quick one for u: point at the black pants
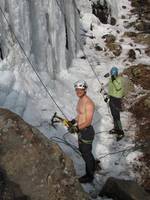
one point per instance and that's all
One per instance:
(85, 140)
(115, 107)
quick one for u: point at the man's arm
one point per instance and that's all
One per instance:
(89, 116)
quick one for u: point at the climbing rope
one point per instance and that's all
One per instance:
(64, 141)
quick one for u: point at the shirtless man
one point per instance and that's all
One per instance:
(85, 111)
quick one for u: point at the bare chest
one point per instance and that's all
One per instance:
(81, 107)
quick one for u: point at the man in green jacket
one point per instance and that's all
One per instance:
(115, 92)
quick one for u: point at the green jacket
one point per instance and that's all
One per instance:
(116, 88)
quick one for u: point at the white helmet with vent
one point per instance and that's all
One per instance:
(81, 84)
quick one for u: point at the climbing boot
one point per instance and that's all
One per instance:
(113, 131)
(86, 179)
(120, 135)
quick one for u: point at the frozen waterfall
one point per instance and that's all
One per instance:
(43, 30)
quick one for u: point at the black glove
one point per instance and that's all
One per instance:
(72, 122)
(113, 78)
(106, 99)
(73, 129)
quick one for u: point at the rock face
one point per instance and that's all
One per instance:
(131, 54)
(112, 45)
(139, 74)
(10, 190)
(115, 48)
(37, 166)
(123, 190)
(140, 107)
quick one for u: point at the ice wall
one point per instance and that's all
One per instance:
(43, 31)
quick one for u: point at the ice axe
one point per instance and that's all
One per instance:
(56, 119)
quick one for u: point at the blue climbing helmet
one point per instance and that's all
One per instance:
(114, 71)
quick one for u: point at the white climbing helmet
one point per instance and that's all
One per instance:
(81, 84)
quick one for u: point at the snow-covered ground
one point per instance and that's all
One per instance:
(22, 92)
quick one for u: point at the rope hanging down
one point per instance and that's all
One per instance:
(78, 41)
(31, 63)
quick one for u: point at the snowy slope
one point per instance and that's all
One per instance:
(22, 92)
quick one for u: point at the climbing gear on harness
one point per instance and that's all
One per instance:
(114, 71)
(81, 84)
(85, 141)
(73, 129)
(106, 99)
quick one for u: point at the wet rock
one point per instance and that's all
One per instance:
(147, 51)
(115, 48)
(111, 45)
(123, 17)
(123, 190)
(109, 38)
(83, 57)
(121, 40)
(141, 112)
(142, 26)
(101, 11)
(147, 102)
(141, 9)
(130, 34)
(132, 54)
(142, 39)
(98, 48)
(37, 165)
(139, 74)
(113, 21)
(10, 190)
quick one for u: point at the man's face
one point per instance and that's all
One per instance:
(80, 92)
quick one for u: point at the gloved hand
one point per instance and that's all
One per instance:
(73, 129)
(72, 122)
(113, 78)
